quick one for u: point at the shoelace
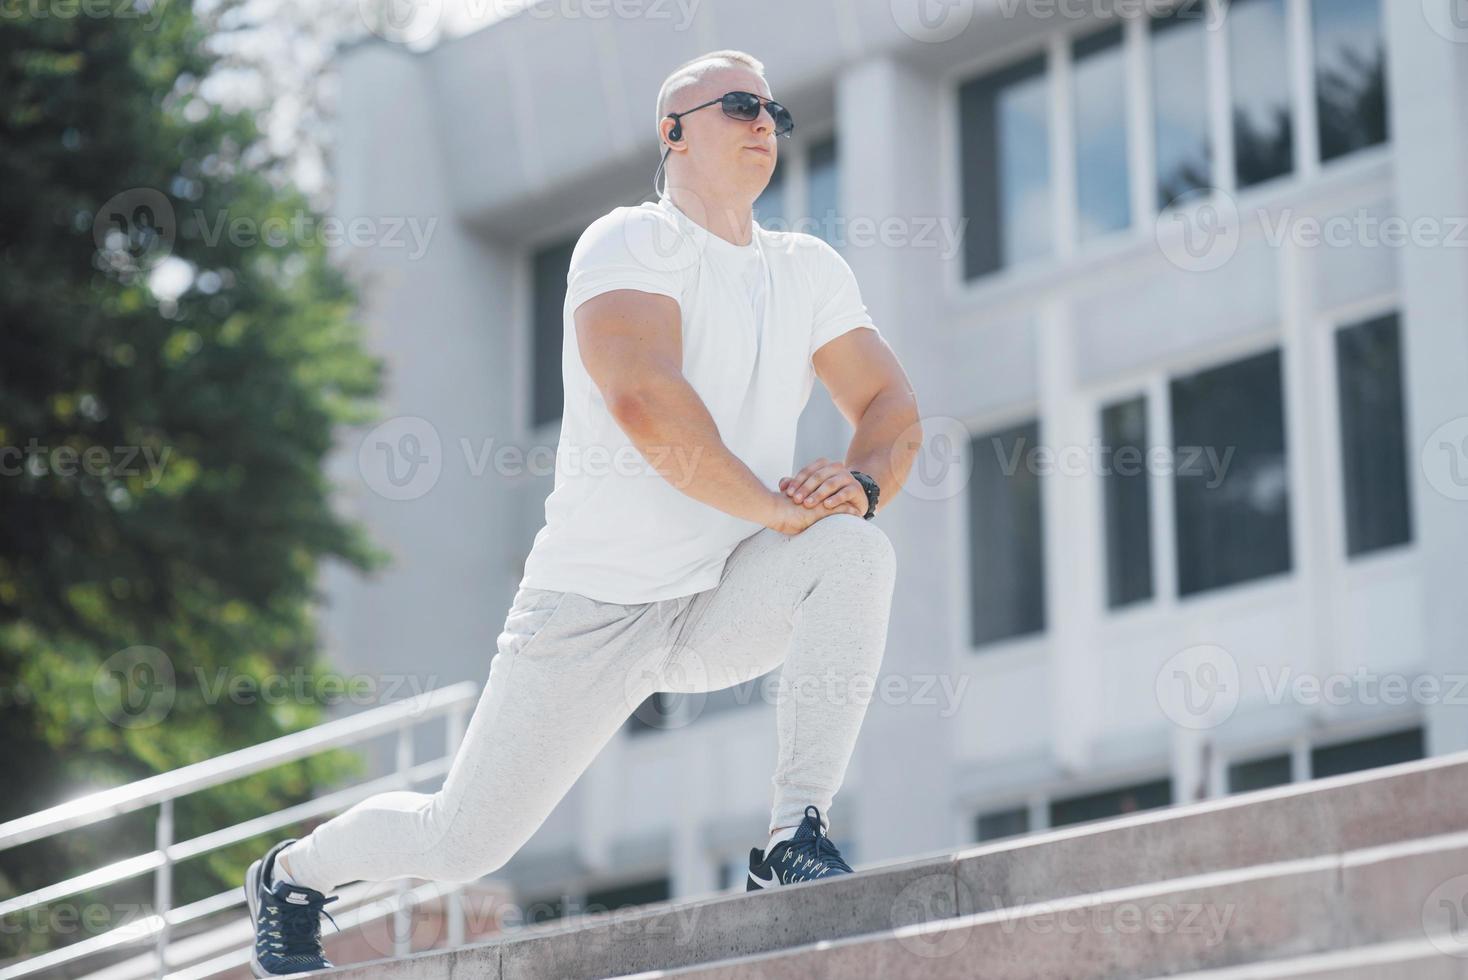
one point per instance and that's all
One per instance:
(817, 851)
(300, 926)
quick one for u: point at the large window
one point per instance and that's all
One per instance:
(1128, 502)
(1259, 68)
(1006, 548)
(1230, 477)
(1350, 75)
(1180, 102)
(1111, 803)
(549, 267)
(1274, 770)
(1373, 435)
(821, 190)
(1366, 753)
(1102, 193)
(771, 209)
(1005, 155)
(1002, 823)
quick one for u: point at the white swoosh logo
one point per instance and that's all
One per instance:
(763, 882)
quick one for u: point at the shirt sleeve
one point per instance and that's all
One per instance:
(838, 305)
(629, 248)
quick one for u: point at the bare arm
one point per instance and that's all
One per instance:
(632, 345)
(871, 390)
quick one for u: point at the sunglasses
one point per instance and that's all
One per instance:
(745, 107)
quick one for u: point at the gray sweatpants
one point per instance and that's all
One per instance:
(571, 669)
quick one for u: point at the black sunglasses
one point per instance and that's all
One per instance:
(745, 107)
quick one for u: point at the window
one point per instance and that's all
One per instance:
(1373, 435)
(1102, 194)
(1001, 824)
(1366, 753)
(658, 711)
(770, 208)
(1232, 488)
(1128, 502)
(736, 696)
(1259, 69)
(1005, 155)
(1180, 102)
(821, 190)
(623, 896)
(1112, 803)
(1274, 770)
(1350, 75)
(549, 267)
(1006, 550)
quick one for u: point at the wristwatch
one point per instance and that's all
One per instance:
(873, 492)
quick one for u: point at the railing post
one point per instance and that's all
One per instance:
(402, 917)
(163, 881)
(453, 736)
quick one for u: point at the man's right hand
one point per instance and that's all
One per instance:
(788, 517)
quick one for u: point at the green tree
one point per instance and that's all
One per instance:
(171, 376)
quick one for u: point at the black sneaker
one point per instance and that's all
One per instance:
(287, 920)
(808, 856)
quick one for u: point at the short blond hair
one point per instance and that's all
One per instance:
(692, 71)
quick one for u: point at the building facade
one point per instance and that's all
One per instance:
(1184, 295)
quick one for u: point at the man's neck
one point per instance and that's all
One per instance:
(731, 220)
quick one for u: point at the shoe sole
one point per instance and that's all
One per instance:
(252, 902)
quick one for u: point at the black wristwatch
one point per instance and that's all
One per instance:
(873, 492)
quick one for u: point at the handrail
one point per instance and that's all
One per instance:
(454, 701)
(233, 765)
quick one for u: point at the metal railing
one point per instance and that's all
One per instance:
(454, 703)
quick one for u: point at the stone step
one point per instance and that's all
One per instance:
(1247, 835)
(1251, 920)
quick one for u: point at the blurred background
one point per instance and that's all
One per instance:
(1182, 288)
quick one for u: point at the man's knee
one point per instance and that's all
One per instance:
(860, 542)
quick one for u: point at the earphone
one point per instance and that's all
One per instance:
(674, 135)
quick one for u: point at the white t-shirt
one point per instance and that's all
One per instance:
(615, 529)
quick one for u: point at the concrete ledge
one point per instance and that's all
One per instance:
(1291, 836)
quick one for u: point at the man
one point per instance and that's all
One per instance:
(679, 554)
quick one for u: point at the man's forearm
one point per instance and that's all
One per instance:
(886, 440)
(673, 430)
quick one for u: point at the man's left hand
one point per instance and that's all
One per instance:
(825, 483)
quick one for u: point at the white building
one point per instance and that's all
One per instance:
(1058, 631)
